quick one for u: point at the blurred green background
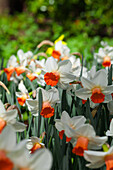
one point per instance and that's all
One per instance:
(24, 24)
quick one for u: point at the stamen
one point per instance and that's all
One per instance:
(81, 145)
(52, 78)
(97, 96)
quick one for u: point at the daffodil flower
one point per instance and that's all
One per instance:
(66, 123)
(105, 56)
(12, 63)
(23, 94)
(84, 138)
(50, 98)
(58, 74)
(96, 89)
(97, 159)
(34, 143)
(9, 118)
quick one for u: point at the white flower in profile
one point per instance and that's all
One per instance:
(105, 56)
(34, 143)
(96, 88)
(84, 138)
(22, 160)
(50, 98)
(58, 73)
(24, 58)
(9, 118)
(36, 67)
(110, 132)
(97, 159)
(12, 63)
(23, 94)
(66, 123)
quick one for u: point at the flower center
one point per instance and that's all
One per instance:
(81, 145)
(5, 163)
(20, 70)
(97, 95)
(107, 61)
(56, 54)
(47, 111)
(9, 71)
(109, 162)
(21, 100)
(52, 78)
(2, 124)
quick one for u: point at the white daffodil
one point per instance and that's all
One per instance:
(66, 123)
(34, 143)
(96, 89)
(84, 138)
(36, 67)
(23, 94)
(22, 160)
(110, 132)
(24, 58)
(12, 63)
(97, 159)
(50, 98)
(105, 56)
(58, 74)
(9, 118)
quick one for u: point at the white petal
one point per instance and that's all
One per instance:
(88, 84)
(64, 66)
(22, 87)
(19, 127)
(10, 115)
(98, 78)
(96, 165)
(2, 109)
(94, 156)
(53, 96)
(83, 93)
(33, 106)
(59, 125)
(96, 140)
(51, 64)
(41, 159)
(67, 77)
(108, 90)
(65, 117)
(7, 139)
(85, 130)
(111, 126)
